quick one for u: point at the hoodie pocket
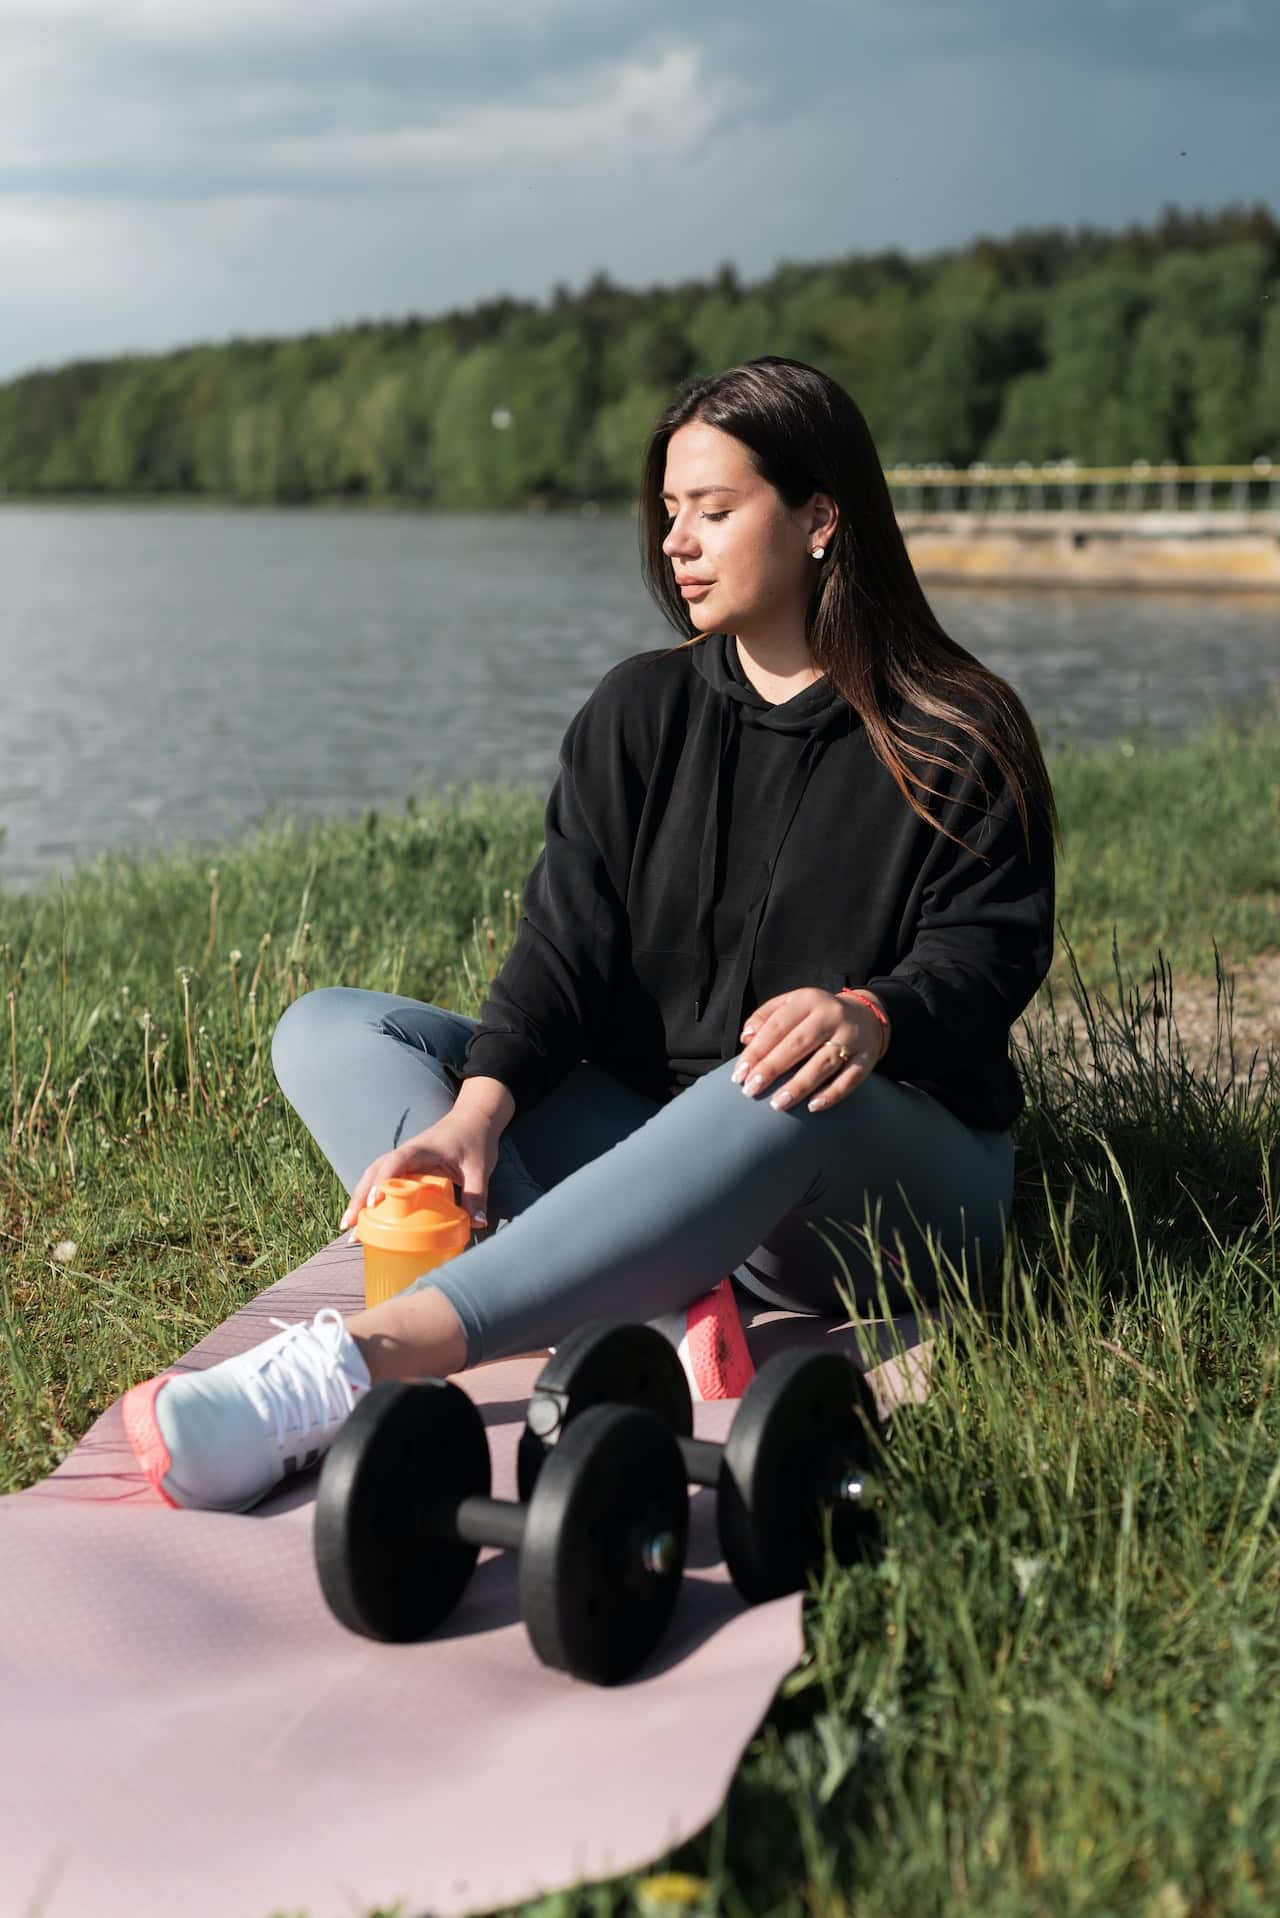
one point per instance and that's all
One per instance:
(654, 990)
(661, 971)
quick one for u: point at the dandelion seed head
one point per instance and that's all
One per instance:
(1026, 1571)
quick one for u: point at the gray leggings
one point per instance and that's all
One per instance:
(626, 1209)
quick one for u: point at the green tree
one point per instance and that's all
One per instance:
(725, 332)
(550, 404)
(468, 458)
(1266, 417)
(871, 344)
(954, 400)
(621, 432)
(1224, 374)
(1197, 299)
(653, 352)
(325, 460)
(1103, 346)
(263, 460)
(1074, 407)
(428, 369)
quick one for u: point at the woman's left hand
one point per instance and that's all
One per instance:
(801, 1026)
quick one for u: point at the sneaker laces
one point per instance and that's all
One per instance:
(302, 1380)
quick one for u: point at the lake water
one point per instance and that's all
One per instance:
(178, 673)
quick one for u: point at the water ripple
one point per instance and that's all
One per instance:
(177, 673)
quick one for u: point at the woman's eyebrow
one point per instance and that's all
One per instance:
(696, 492)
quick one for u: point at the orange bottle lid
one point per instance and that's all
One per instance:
(415, 1215)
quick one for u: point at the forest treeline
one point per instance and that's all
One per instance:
(1160, 343)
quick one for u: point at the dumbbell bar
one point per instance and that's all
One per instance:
(403, 1508)
(800, 1443)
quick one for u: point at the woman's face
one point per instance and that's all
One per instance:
(730, 527)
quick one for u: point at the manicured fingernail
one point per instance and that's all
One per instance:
(345, 1220)
(754, 1083)
(747, 1031)
(374, 1190)
(779, 1100)
(738, 1071)
(351, 1238)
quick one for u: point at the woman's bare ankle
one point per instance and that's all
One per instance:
(418, 1335)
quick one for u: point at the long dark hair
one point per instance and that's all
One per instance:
(868, 625)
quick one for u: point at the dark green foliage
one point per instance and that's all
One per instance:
(1160, 343)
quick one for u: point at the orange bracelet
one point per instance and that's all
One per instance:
(864, 999)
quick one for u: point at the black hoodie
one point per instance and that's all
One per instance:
(705, 851)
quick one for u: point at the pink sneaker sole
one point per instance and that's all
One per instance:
(146, 1441)
(721, 1364)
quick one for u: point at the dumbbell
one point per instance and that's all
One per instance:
(403, 1508)
(800, 1442)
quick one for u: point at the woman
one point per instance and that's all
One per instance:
(818, 829)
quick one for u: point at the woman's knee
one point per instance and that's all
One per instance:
(308, 1023)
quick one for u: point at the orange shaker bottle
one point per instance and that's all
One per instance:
(415, 1225)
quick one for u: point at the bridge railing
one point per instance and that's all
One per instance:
(1067, 487)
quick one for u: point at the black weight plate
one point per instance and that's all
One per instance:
(601, 1363)
(405, 1451)
(800, 1428)
(614, 1481)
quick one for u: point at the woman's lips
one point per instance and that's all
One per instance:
(696, 588)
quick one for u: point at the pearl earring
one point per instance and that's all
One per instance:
(818, 552)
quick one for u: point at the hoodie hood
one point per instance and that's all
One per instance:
(814, 717)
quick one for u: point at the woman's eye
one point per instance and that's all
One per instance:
(669, 519)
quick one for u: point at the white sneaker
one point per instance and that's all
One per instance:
(223, 1438)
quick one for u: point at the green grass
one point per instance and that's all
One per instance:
(1054, 1690)
(1173, 846)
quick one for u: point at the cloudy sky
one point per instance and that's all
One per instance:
(177, 170)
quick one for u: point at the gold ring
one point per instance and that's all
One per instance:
(845, 1055)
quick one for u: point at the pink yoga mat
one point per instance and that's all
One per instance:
(186, 1728)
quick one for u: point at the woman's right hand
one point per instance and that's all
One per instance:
(466, 1148)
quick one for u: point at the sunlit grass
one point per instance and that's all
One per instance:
(1053, 1691)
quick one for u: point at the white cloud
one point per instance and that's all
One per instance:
(626, 114)
(178, 171)
(274, 132)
